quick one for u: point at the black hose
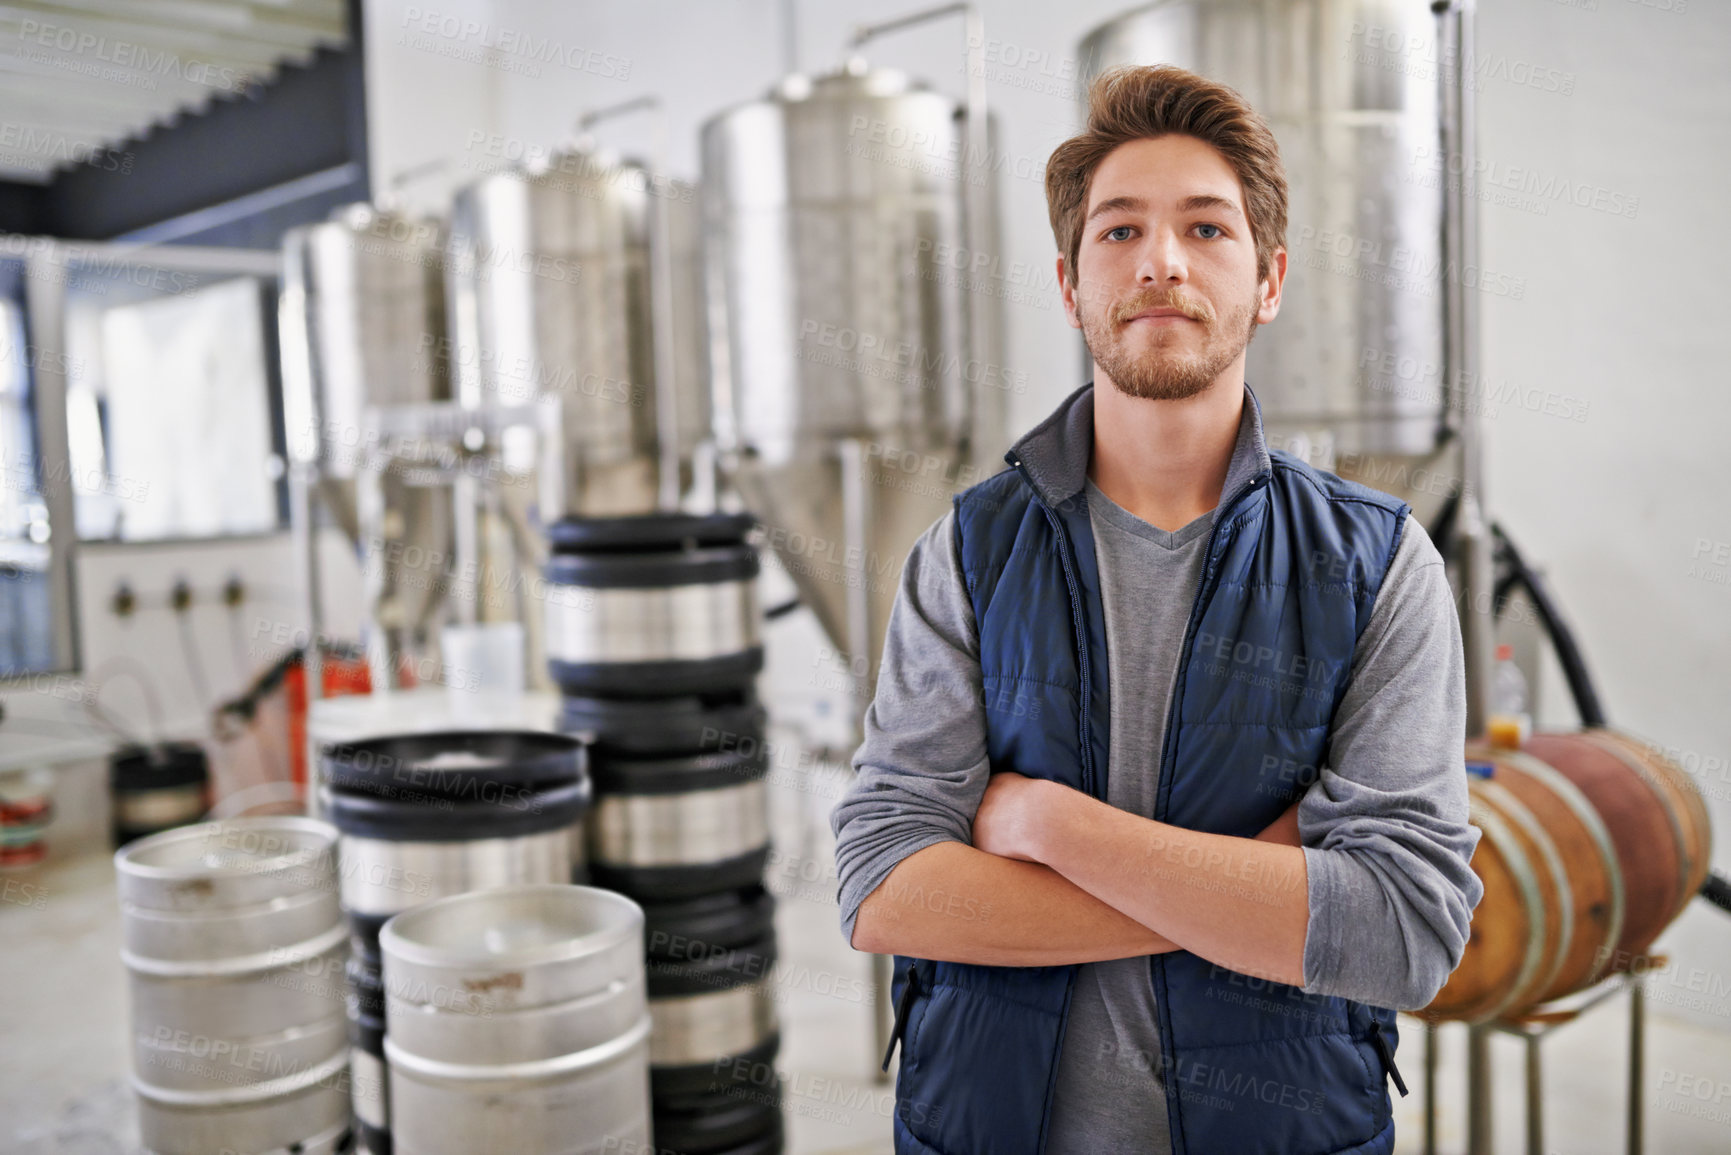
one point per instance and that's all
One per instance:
(1442, 530)
(781, 609)
(1717, 890)
(1568, 651)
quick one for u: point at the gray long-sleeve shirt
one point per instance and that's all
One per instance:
(1383, 823)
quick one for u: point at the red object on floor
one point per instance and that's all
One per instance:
(341, 677)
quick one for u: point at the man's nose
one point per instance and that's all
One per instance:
(1161, 260)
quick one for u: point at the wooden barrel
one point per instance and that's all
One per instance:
(1525, 917)
(1592, 843)
(1662, 842)
(1687, 806)
(1590, 869)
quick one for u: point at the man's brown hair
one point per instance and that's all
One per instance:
(1136, 103)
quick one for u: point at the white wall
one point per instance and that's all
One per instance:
(1618, 311)
(1623, 313)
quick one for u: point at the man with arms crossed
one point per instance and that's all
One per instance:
(1162, 801)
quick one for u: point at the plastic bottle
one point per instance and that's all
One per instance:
(1510, 724)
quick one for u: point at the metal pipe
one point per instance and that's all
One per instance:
(1431, 1034)
(1461, 324)
(661, 258)
(301, 437)
(1637, 1061)
(1535, 1094)
(45, 307)
(790, 36)
(1479, 1136)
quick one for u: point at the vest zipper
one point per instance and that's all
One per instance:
(909, 992)
(1085, 692)
(1386, 1054)
(1189, 634)
(1157, 976)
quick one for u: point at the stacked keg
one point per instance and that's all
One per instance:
(652, 636)
(518, 1023)
(233, 943)
(157, 788)
(430, 816)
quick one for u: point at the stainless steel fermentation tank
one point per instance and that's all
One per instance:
(1363, 285)
(361, 316)
(552, 285)
(854, 356)
(1371, 369)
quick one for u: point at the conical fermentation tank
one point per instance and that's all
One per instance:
(552, 286)
(1355, 363)
(854, 364)
(362, 322)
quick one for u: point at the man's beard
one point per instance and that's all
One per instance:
(1160, 374)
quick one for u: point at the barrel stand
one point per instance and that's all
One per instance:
(1532, 1028)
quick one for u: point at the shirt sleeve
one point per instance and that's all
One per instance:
(1387, 844)
(921, 769)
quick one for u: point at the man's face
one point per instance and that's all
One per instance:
(1166, 294)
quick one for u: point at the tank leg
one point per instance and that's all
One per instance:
(1431, 1034)
(1478, 1090)
(1637, 1059)
(1535, 1096)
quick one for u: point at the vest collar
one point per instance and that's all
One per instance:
(1054, 454)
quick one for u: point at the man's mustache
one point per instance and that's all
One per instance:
(1145, 299)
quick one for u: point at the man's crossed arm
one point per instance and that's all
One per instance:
(1055, 876)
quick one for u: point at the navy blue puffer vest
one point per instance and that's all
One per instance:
(1294, 563)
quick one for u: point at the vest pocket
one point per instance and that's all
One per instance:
(1385, 1052)
(910, 992)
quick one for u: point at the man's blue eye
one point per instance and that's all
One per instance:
(1216, 228)
(1125, 229)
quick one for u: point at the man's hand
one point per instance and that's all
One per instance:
(1008, 821)
(1239, 902)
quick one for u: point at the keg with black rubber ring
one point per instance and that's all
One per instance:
(157, 787)
(740, 1121)
(712, 1002)
(727, 918)
(685, 724)
(369, 1086)
(455, 765)
(652, 605)
(426, 816)
(666, 828)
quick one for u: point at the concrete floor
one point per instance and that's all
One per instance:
(63, 1087)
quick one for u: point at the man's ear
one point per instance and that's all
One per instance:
(1273, 284)
(1068, 291)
